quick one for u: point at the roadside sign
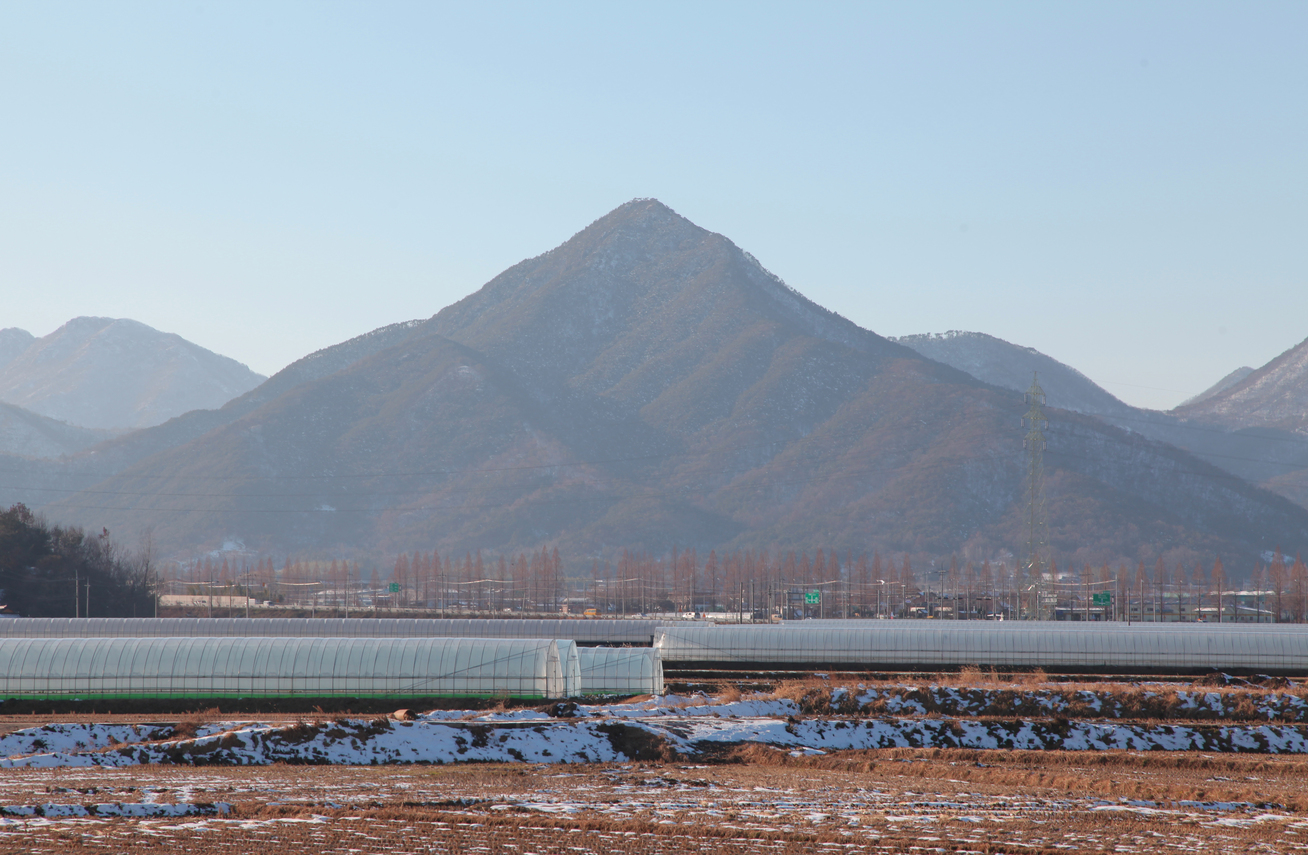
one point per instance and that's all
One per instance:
(812, 598)
(1103, 598)
(395, 587)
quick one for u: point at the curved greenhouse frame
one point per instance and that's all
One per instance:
(928, 645)
(570, 667)
(583, 631)
(620, 671)
(234, 667)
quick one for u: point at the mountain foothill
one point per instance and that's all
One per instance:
(648, 385)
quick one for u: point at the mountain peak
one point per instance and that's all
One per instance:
(116, 373)
(13, 342)
(641, 280)
(635, 230)
(641, 213)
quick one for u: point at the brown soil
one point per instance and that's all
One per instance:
(757, 800)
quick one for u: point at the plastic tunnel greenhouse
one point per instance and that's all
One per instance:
(925, 645)
(620, 671)
(233, 667)
(583, 631)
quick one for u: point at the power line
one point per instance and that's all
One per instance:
(1035, 445)
(1293, 469)
(726, 488)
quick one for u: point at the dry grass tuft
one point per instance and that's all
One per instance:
(971, 676)
(807, 693)
(189, 725)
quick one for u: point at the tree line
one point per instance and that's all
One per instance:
(757, 580)
(61, 571)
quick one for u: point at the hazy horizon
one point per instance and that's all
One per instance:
(1120, 188)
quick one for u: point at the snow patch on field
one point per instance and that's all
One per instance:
(111, 809)
(685, 726)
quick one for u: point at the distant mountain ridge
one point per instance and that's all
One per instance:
(117, 374)
(1219, 387)
(1273, 396)
(26, 434)
(645, 385)
(13, 342)
(1258, 453)
(1011, 366)
(109, 456)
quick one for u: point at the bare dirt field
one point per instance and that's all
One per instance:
(757, 799)
(936, 766)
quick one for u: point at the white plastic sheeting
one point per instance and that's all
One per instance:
(569, 667)
(1280, 648)
(584, 631)
(287, 667)
(620, 671)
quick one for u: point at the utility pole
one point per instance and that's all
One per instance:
(1037, 527)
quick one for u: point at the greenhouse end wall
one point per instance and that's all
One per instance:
(621, 671)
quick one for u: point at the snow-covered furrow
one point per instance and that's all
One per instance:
(73, 738)
(1154, 703)
(115, 809)
(588, 740)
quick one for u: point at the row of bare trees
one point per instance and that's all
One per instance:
(758, 580)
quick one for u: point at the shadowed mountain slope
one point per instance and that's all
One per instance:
(117, 454)
(1269, 456)
(648, 384)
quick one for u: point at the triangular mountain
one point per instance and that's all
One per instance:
(647, 385)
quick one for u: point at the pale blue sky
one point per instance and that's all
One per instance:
(1122, 186)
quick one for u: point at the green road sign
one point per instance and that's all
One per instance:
(1104, 598)
(395, 587)
(812, 598)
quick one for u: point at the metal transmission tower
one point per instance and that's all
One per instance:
(1037, 531)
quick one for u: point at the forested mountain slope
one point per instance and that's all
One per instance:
(1256, 451)
(648, 384)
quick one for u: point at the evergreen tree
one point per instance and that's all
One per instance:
(45, 571)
